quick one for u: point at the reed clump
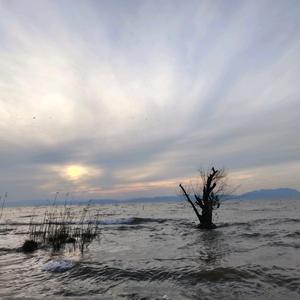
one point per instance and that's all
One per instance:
(2, 205)
(3, 201)
(64, 225)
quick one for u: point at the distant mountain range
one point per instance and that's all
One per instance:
(264, 194)
(282, 193)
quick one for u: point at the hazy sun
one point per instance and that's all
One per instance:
(76, 171)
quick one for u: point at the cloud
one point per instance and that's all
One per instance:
(147, 93)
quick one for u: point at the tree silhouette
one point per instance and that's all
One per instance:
(213, 187)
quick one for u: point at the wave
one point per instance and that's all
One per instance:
(284, 244)
(140, 220)
(258, 234)
(28, 216)
(19, 223)
(4, 249)
(295, 234)
(120, 221)
(276, 221)
(228, 224)
(131, 221)
(269, 221)
(4, 231)
(192, 276)
(241, 275)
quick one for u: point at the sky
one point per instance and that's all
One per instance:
(120, 99)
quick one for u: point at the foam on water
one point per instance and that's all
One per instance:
(58, 266)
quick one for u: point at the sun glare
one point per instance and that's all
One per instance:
(76, 171)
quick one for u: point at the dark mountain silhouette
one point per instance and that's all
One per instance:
(283, 193)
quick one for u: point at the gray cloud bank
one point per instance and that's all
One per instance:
(143, 93)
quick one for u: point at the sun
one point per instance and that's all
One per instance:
(75, 172)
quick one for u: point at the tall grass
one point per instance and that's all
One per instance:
(4, 198)
(3, 226)
(62, 225)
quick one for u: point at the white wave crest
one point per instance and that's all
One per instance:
(58, 266)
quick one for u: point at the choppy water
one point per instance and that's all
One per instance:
(155, 251)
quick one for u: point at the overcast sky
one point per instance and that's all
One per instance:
(122, 99)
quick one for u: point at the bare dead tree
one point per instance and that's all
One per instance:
(208, 198)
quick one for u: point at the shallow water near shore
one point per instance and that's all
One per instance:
(156, 251)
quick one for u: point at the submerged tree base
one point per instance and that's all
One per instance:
(207, 226)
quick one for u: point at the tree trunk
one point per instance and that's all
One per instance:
(205, 218)
(207, 199)
(191, 202)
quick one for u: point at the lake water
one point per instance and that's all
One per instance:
(155, 251)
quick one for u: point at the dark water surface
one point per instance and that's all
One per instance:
(155, 251)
